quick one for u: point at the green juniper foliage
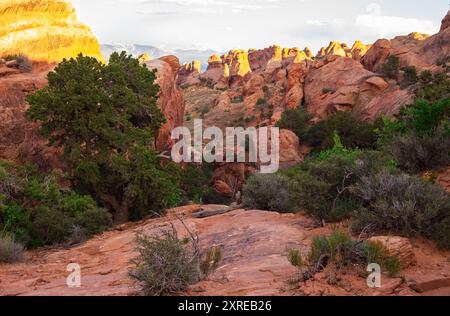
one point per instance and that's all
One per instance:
(105, 118)
(35, 210)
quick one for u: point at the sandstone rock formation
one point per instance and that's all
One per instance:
(445, 22)
(345, 85)
(398, 247)
(44, 30)
(334, 48)
(189, 74)
(217, 74)
(171, 100)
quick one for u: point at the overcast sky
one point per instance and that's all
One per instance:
(227, 24)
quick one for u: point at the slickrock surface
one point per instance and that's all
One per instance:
(254, 245)
(44, 30)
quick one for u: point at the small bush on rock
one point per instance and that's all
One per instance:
(167, 264)
(391, 67)
(338, 250)
(10, 250)
(401, 204)
(267, 192)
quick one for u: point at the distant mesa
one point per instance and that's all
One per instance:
(44, 30)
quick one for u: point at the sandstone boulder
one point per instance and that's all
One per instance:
(44, 30)
(399, 247)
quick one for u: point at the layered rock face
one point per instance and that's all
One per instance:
(345, 85)
(170, 101)
(44, 30)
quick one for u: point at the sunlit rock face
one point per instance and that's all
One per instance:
(44, 30)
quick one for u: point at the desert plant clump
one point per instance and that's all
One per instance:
(433, 87)
(419, 139)
(296, 120)
(10, 250)
(267, 192)
(402, 204)
(339, 250)
(261, 101)
(411, 76)
(391, 67)
(320, 186)
(353, 132)
(21, 62)
(37, 211)
(167, 264)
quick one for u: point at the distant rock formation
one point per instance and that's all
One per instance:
(44, 30)
(357, 51)
(144, 57)
(189, 74)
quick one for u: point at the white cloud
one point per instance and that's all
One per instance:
(374, 23)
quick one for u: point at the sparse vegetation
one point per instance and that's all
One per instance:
(167, 264)
(21, 62)
(339, 250)
(411, 76)
(327, 90)
(267, 192)
(296, 120)
(391, 67)
(261, 101)
(36, 211)
(353, 133)
(419, 139)
(10, 250)
(401, 204)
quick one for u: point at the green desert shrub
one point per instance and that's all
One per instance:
(415, 153)
(10, 250)
(261, 101)
(391, 67)
(434, 87)
(339, 249)
(37, 211)
(402, 204)
(267, 192)
(211, 196)
(194, 181)
(353, 133)
(419, 139)
(411, 76)
(296, 120)
(167, 264)
(320, 185)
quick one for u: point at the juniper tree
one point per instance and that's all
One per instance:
(105, 118)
